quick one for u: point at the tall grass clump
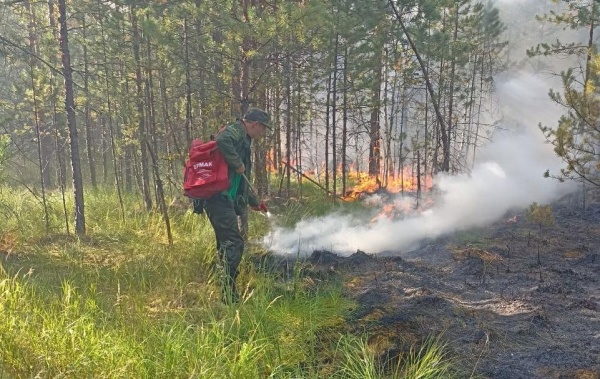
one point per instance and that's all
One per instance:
(428, 361)
(357, 360)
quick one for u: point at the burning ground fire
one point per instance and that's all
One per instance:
(505, 176)
(397, 197)
(498, 183)
(405, 181)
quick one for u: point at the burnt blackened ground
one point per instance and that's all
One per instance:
(504, 313)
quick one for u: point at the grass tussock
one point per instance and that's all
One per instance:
(123, 303)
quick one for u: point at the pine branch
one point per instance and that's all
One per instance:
(8, 42)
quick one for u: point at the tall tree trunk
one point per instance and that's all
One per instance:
(246, 62)
(387, 126)
(451, 126)
(39, 148)
(45, 135)
(58, 140)
(375, 126)
(288, 125)
(127, 158)
(277, 154)
(105, 149)
(142, 132)
(111, 131)
(299, 176)
(261, 178)
(160, 194)
(327, 128)
(345, 123)
(37, 112)
(71, 120)
(151, 131)
(172, 144)
(201, 76)
(479, 107)
(89, 139)
(334, 118)
(188, 85)
(469, 113)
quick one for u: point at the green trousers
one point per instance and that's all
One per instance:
(230, 242)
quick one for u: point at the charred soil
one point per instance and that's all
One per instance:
(511, 301)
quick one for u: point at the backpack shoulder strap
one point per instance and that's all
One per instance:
(214, 136)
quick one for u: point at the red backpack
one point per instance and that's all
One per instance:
(206, 172)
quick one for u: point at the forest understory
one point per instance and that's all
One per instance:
(511, 300)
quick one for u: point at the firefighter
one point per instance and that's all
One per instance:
(228, 211)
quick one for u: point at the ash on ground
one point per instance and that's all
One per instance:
(512, 301)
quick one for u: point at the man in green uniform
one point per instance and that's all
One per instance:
(223, 209)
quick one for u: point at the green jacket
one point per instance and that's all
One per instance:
(234, 144)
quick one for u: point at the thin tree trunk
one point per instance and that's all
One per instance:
(201, 76)
(59, 144)
(277, 147)
(334, 117)
(188, 85)
(105, 149)
(39, 148)
(110, 119)
(469, 119)
(44, 137)
(375, 127)
(126, 160)
(345, 123)
(451, 127)
(58, 141)
(401, 137)
(288, 124)
(299, 130)
(327, 129)
(160, 194)
(171, 141)
(142, 133)
(261, 178)
(151, 111)
(71, 121)
(387, 125)
(37, 113)
(478, 124)
(89, 140)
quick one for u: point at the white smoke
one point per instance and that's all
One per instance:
(507, 175)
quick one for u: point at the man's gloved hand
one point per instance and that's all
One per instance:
(261, 208)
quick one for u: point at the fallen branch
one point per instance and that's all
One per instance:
(312, 180)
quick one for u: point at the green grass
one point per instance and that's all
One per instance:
(122, 303)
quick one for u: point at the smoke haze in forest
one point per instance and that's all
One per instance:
(507, 175)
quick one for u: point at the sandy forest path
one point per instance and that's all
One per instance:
(502, 314)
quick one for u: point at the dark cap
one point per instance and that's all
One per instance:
(258, 115)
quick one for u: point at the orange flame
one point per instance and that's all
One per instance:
(389, 211)
(405, 181)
